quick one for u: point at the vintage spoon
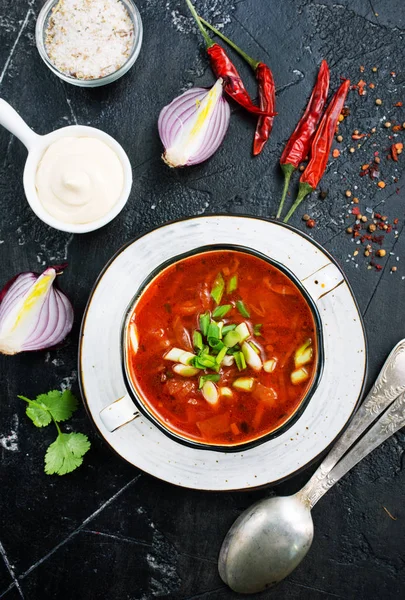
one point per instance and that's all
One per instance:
(269, 539)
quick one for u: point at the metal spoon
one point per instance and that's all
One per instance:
(269, 540)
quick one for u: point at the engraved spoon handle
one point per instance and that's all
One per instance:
(392, 420)
(389, 384)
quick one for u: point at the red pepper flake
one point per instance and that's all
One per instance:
(378, 267)
(361, 87)
(362, 68)
(355, 210)
(397, 128)
(310, 223)
(398, 104)
(358, 136)
(371, 86)
(393, 74)
(395, 221)
(394, 153)
(336, 153)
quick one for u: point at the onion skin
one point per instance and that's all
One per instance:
(34, 313)
(193, 125)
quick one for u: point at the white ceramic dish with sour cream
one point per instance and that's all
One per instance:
(37, 145)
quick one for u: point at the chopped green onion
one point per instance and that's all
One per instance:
(227, 328)
(185, 371)
(240, 361)
(205, 378)
(205, 361)
(228, 360)
(270, 365)
(299, 376)
(244, 384)
(210, 392)
(242, 309)
(221, 354)
(243, 331)
(225, 391)
(252, 359)
(255, 348)
(213, 331)
(197, 340)
(303, 355)
(187, 358)
(174, 354)
(232, 284)
(231, 338)
(218, 288)
(257, 328)
(217, 347)
(221, 311)
(234, 350)
(204, 323)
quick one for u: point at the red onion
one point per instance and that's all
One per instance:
(193, 125)
(34, 314)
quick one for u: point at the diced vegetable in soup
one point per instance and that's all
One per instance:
(222, 347)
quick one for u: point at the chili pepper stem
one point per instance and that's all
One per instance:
(253, 63)
(288, 169)
(303, 191)
(209, 42)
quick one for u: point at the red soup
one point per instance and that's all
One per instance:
(221, 348)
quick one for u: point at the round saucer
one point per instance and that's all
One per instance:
(144, 445)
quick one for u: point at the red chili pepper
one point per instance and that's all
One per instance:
(320, 147)
(297, 147)
(267, 91)
(223, 67)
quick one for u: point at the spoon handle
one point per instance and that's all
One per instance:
(389, 384)
(392, 420)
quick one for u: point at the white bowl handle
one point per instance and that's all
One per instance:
(119, 413)
(323, 281)
(11, 120)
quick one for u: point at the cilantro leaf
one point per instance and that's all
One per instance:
(38, 414)
(61, 405)
(66, 453)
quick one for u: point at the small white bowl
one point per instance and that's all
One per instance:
(36, 146)
(42, 24)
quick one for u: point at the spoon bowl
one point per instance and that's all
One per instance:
(265, 544)
(36, 146)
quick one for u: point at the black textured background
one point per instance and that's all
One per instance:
(107, 530)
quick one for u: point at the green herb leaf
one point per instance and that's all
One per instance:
(204, 323)
(197, 340)
(221, 311)
(240, 360)
(38, 414)
(232, 284)
(218, 288)
(242, 309)
(257, 328)
(66, 453)
(61, 405)
(205, 378)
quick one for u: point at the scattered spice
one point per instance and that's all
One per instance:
(89, 40)
(394, 269)
(378, 101)
(336, 153)
(374, 69)
(387, 124)
(306, 217)
(398, 104)
(395, 150)
(356, 200)
(348, 193)
(310, 223)
(339, 138)
(381, 184)
(361, 87)
(381, 252)
(351, 150)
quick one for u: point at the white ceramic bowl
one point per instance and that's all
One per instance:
(36, 146)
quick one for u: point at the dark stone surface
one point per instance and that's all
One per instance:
(107, 530)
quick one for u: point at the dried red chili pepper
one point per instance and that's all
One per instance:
(223, 67)
(320, 147)
(298, 145)
(267, 91)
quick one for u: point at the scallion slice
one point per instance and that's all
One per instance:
(205, 378)
(214, 332)
(242, 309)
(257, 329)
(221, 311)
(218, 288)
(231, 339)
(221, 354)
(197, 340)
(185, 371)
(240, 360)
(205, 320)
(255, 348)
(210, 392)
(232, 284)
(243, 332)
(227, 328)
(252, 359)
(244, 384)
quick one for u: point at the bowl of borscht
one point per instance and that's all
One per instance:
(222, 349)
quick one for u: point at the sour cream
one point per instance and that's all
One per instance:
(79, 179)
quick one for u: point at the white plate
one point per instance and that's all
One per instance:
(140, 442)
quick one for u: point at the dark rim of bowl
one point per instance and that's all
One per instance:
(142, 405)
(304, 235)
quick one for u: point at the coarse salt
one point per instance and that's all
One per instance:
(89, 39)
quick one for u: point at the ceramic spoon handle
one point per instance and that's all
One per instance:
(11, 120)
(392, 420)
(389, 384)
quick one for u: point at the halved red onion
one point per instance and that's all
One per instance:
(193, 126)
(34, 313)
